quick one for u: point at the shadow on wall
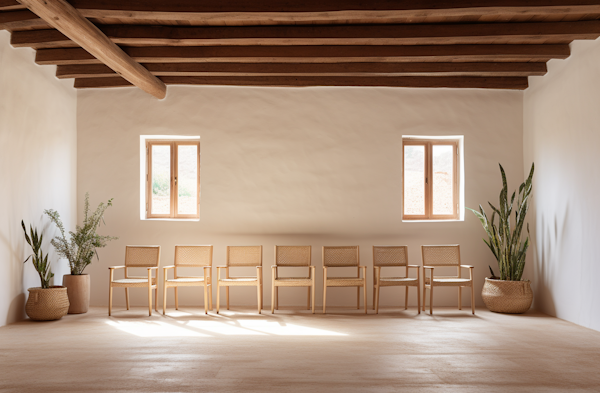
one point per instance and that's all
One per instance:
(14, 271)
(549, 233)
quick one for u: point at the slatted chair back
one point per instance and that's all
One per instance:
(195, 256)
(292, 255)
(390, 255)
(142, 256)
(244, 256)
(446, 255)
(340, 256)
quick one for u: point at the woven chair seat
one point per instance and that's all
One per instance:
(393, 281)
(184, 282)
(448, 281)
(132, 282)
(238, 281)
(293, 282)
(345, 282)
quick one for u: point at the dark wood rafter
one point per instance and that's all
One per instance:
(317, 54)
(432, 34)
(11, 5)
(21, 19)
(518, 83)
(314, 69)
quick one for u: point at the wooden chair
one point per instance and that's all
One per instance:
(344, 256)
(137, 257)
(445, 256)
(384, 256)
(238, 256)
(190, 256)
(292, 256)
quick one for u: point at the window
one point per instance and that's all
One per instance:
(172, 179)
(430, 179)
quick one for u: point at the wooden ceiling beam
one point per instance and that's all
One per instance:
(431, 82)
(318, 54)
(62, 16)
(11, 5)
(314, 69)
(21, 19)
(240, 12)
(430, 34)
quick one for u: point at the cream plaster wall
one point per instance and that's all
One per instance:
(318, 166)
(38, 140)
(562, 136)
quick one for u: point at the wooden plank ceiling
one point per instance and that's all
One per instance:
(493, 44)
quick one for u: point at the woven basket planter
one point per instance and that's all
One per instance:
(78, 290)
(47, 304)
(510, 297)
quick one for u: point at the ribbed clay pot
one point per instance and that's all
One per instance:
(78, 290)
(510, 297)
(47, 304)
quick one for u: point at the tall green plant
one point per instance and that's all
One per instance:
(507, 244)
(81, 245)
(40, 262)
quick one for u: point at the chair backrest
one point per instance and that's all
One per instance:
(340, 256)
(390, 255)
(244, 256)
(446, 255)
(292, 255)
(193, 255)
(142, 256)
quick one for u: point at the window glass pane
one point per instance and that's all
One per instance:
(443, 168)
(414, 179)
(187, 179)
(161, 179)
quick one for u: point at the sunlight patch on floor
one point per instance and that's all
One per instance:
(154, 329)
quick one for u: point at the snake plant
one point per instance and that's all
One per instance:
(506, 243)
(40, 262)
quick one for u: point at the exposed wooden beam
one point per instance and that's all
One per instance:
(21, 20)
(11, 5)
(431, 34)
(314, 69)
(452, 82)
(62, 16)
(318, 54)
(240, 12)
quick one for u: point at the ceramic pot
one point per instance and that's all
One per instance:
(78, 290)
(510, 297)
(47, 304)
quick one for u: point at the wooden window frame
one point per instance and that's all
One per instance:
(174, 144)
(429, 143)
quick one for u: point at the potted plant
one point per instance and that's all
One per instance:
(508, 293)
(79, 249)
(45, 303)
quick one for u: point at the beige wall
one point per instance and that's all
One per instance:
(38, 141)
(562, 136)
(318, 166)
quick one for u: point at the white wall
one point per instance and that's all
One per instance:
(562, 136)
(38, 140)
(318, 166)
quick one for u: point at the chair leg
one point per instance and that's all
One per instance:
(358, 298)
(313, 296)
(176, 298)
(376, 299)
(149, 300)
(156, 298)
(127, 297)
(431, 300)
(272, 291)
(164, 299)
(324, 297)
(460, 298)
(472, 298)
(277, 298)
(262, 298)
(210, 301)
(374, 296)
(424, 297)
(227, 296)
(365, 295)
(308, 298)
(206, 298)
(406, 298)
(418, 300)
(258, 288)
(218, 296)
(109, 300)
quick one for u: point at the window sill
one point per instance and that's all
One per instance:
(449, 220)
(170, 219)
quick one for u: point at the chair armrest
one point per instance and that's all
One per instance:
(221, 267)
(207, 267)
(152, 268)
(414, 266)
(467, 266)
(273, 266)
(429, 267)
(116, 267)
(377, 267)
(168, 267)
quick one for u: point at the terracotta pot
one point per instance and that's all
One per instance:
(47, 304)
(78, 289)
(510, 297)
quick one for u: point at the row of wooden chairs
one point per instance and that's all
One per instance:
(290, 256)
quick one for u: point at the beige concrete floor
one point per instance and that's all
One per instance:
(293, 350)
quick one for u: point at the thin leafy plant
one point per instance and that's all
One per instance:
(80, 246)
(39, 260)
(507, 244)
